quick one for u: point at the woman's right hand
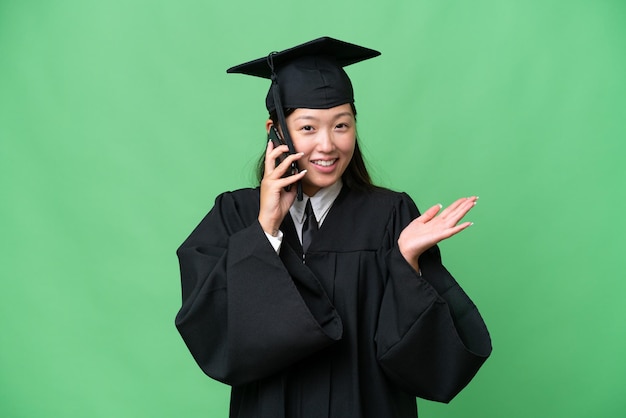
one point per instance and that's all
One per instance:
(275, 200)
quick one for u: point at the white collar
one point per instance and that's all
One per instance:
(321, 203)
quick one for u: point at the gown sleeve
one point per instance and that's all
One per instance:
(431, 339)
(248, 312)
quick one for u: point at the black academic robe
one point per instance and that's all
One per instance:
(353, 332)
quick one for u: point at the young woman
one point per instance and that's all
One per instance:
(335, 305)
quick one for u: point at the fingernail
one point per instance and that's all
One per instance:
(440, 205)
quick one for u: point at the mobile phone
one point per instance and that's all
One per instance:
(274, 136)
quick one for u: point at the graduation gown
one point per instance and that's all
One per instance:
(353, 332)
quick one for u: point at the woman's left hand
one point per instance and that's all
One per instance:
(431, 228)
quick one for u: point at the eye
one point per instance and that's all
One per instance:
(307, 128)
(342, 126)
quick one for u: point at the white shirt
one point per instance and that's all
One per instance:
(321, 202)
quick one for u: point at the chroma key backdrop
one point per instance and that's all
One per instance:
(119, 126)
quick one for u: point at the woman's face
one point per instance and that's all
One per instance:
(327, 138)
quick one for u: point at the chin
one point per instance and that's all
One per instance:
(313, 188)
(322, 184)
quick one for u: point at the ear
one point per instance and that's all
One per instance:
(268, 125)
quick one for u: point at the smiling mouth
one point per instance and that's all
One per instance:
(324, 163)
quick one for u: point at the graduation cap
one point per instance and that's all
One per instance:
(309, 75)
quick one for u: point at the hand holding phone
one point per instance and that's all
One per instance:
(274, 136)
(276, 139)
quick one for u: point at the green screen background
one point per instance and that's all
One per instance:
(119, 126)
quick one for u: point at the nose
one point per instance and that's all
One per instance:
(325, 141)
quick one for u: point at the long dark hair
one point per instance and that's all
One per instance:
(356, 175)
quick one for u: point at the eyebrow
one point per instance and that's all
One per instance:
(337, 116)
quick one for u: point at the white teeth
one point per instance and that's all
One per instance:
(324, 163)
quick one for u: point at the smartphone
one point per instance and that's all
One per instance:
(274, 136)
(276, 139)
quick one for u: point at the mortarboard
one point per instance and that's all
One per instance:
(309, 75)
